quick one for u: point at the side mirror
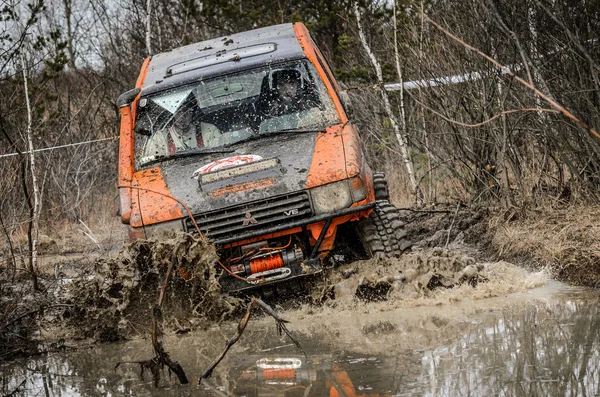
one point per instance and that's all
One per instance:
(127, 97)
(346, 103)
(142, 127)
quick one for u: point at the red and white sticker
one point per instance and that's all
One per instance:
(226, 163)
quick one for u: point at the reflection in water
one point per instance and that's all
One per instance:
(543, 350)
(530, 347)
(295, 376)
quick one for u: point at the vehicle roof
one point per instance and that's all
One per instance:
(220, 56)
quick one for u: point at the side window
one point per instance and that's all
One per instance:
(325, 66)
(343, 96)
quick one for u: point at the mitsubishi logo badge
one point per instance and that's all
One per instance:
(249, 219)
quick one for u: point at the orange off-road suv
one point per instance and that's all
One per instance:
(247, 139)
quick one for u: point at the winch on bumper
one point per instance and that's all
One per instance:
(266, 268)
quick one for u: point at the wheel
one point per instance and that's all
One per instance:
(381, 187)
(382, 233)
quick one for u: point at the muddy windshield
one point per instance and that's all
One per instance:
(214, 114)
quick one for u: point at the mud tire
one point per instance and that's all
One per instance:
(380, 186)
(382, 233)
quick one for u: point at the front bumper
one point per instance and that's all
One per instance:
(310, 266)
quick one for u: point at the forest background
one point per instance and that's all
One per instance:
(515, 132)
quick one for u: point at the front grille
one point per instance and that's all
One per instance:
(233, 221)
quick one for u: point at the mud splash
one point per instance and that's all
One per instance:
(114, 300)
(428, 277)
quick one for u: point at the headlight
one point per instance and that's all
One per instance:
(338, 195)
(331, 197)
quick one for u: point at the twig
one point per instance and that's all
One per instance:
(230, 342)
(489, 120)
(89, 233)
(162, 356)
(307, 390)
(426, 211)
(280, 323)
(16, 390)
(270, 349)
(452, 225)
(32, 312)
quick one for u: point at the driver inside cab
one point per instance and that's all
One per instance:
(289, 101)
(285, 93)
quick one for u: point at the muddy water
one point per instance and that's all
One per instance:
(540, 342)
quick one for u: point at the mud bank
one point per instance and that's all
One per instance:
(557, 236)
(562, 237)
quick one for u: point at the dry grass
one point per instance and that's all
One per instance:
(564, 238)
(437, 189)
(60, 238)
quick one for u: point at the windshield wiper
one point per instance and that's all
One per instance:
(270, 133)
(188, 153)
(294, 130)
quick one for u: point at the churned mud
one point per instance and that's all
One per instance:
(112, 299)
(429, 277)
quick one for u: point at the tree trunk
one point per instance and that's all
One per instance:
(148, 26)
(32, 231)
(430, 170)
(388, 108)
(68, 4)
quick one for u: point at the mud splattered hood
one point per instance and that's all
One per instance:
(268, 167)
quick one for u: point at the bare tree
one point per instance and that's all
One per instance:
(33, 228)
(148, 27)
(388, 108)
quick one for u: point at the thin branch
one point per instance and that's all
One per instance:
(506, 70)
(494, 117)
(452, 225)
(17, 389)
(161, 357)
(148, 27)
(229, 343)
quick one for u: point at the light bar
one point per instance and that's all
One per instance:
(222, 56)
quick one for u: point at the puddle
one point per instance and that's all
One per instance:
(540, 342)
